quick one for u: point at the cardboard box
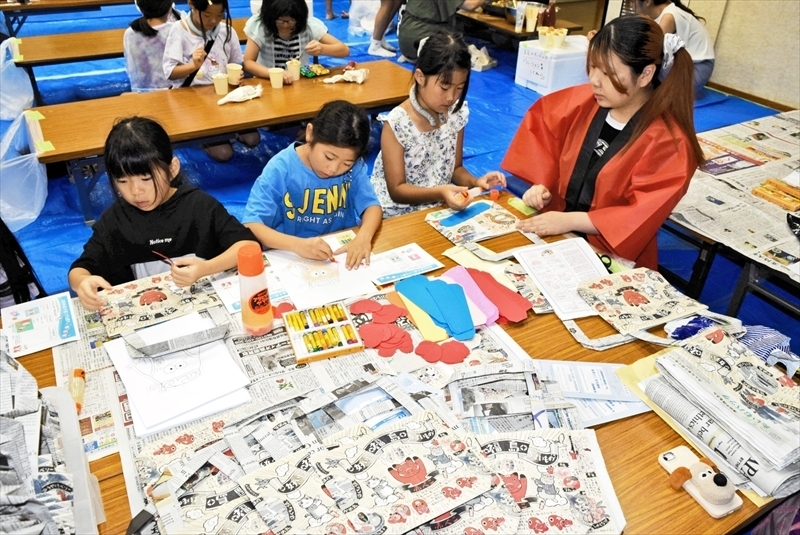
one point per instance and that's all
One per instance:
(548, 70)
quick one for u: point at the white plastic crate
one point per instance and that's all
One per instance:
(548, 70)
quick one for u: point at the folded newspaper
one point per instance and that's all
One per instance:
(756, 404)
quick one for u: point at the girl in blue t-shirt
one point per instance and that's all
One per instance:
(317, 188)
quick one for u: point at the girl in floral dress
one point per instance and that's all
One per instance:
(420, 163)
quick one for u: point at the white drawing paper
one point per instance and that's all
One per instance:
(312, 283)
(164, 388)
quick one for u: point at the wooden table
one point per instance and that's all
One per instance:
(16, 13)
(629, 446)
(502, 26)
(44, 50)
(78, 130)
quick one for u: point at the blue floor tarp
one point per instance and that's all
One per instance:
(496, 105)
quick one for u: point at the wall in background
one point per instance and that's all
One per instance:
(758, 48)
(757, 44)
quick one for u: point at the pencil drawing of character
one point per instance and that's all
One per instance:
(441, 460)
(315, 273)
(384, 494)
(546, 487)
(316, 511)
(178, 369)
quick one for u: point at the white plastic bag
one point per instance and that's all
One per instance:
(362, 16)
(17, 92)
(23, 180)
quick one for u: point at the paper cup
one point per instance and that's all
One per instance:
(221, 83)
(234, 70)
(558, 39)
(293, 66)
(276, 77)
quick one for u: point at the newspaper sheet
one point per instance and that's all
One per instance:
(543, 471)
(751, 226)
(777, 483)
(758, 405)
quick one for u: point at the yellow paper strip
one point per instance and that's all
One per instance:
(17, 58)
(429, 330)
(44, 146)
(520, 206)
(34, 114)
(643, 368)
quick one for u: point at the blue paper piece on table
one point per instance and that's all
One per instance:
(416, 289)
(467, 213)
(452, 298)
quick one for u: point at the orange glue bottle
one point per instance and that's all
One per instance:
(257, 314)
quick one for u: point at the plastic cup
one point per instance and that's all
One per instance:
(234, 72)
(276, 77)
(293, 66)
(531, 16)
(221, 83)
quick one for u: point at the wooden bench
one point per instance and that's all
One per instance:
(75, 132)
(74, 47)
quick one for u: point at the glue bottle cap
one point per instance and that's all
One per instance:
(250, 261)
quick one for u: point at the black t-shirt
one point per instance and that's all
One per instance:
(190, 222)
(607, 135)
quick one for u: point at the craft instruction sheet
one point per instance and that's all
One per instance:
(557, 269)
(39, 324)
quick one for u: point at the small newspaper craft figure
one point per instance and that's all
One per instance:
(151, 300)
(636, 300)
(480, 220)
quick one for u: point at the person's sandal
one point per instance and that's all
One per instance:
(345, 15)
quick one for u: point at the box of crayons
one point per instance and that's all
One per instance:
(322, 332)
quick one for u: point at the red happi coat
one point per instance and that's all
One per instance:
(636, 189)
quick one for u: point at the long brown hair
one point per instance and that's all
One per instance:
(638, 41)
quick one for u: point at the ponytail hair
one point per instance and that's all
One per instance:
(151, 9)
(679, 5)
(638, 41)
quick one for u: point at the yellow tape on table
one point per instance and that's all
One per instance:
(36, 115)
(44, 146)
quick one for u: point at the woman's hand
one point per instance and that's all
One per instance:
(288, 79)
(537, 196)
(185, 271)
(313, 248)
(548, 224)
(490, 180)
(88, 294)
(358, 251)
(455, 197)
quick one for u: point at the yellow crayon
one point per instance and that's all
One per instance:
(331, 313)
(323, 316)
(335, 336)
(328, 338)
(309, 345)
(351, 336)
(294, 321)
(303, 319)
(313, 342)
(319, 340)
(340, 312)
(314, 317)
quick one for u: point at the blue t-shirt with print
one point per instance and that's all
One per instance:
(290, 198)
